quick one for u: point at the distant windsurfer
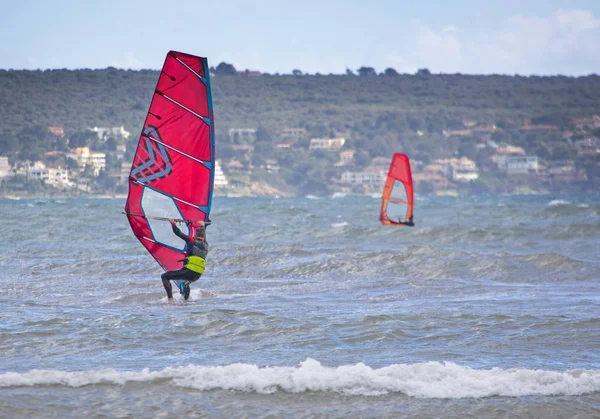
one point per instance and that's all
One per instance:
(196, 249)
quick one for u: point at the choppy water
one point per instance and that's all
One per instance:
(489, 307)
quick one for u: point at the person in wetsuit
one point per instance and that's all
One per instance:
(196, 249)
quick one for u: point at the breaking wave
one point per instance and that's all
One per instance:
(445, 380)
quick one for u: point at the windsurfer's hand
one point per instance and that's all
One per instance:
(172, 221)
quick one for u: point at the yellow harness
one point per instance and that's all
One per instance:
(195, 264)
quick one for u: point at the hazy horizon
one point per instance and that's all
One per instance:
(544, 38)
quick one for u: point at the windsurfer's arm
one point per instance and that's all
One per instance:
(177, 231)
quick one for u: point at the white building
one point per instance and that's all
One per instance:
(123, 173)
(371, 179)
(121, 149)
(347, 156)
(59, 178)
(115, 132)
(242, 135)
(83, 157)
(220, 179)
(292, 134)
(464, 176)
(329, 144)
(5, 171)
(458, 169)
(518, 165)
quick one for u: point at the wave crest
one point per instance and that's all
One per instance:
(423, 380)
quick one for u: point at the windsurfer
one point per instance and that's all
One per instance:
(196, 249)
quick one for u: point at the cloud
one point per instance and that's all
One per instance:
(450, 28)
(128, 61)
(440, 50)
(565, 42)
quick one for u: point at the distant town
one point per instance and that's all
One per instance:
(104, 170)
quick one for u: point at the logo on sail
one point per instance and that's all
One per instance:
(155, 160)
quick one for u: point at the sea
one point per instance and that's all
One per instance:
(309, 308)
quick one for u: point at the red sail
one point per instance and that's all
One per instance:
(172, 172)
(397, 200)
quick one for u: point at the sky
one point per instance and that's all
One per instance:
(544, 37)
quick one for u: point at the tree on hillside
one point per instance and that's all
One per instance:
(390, 72)
(296, 72)
(262, 135)
(82, 139)
(366, 71)
(423, 72)
(225, 69)
(559, 119)
(362, 159)
(8, 142)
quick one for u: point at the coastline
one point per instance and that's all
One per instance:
(266, 193)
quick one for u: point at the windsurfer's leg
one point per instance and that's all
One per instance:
(167, 285)
(169, 276)
(191, 277)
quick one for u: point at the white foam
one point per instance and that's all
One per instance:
(558, 202)
(342, 224)
(425, 380)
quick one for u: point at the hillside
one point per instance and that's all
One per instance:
(378, 114)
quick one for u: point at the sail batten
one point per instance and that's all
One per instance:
(203, 119)
(203, 79)
(178, 151)
(172, 171)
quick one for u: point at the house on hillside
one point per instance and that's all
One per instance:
(83, 156)
(220, 179)
(509, 150)
(346, 158)
(436, 180)
(328, 144)
(5, 169)
(56, 177)
(118, 133)
(242, 135)
(584, 124)
(292, 135)
(58, 131)
(457, 132)
(458, 169)
(282, 146)
(369, 178)
(518, 165)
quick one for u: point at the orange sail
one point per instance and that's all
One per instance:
(397, 199)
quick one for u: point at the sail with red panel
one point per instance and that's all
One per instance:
(172, 173)
(397, 200)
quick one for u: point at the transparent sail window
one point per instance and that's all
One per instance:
(157, 204)
(398, 203)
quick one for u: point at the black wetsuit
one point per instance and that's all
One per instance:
(193, 247)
